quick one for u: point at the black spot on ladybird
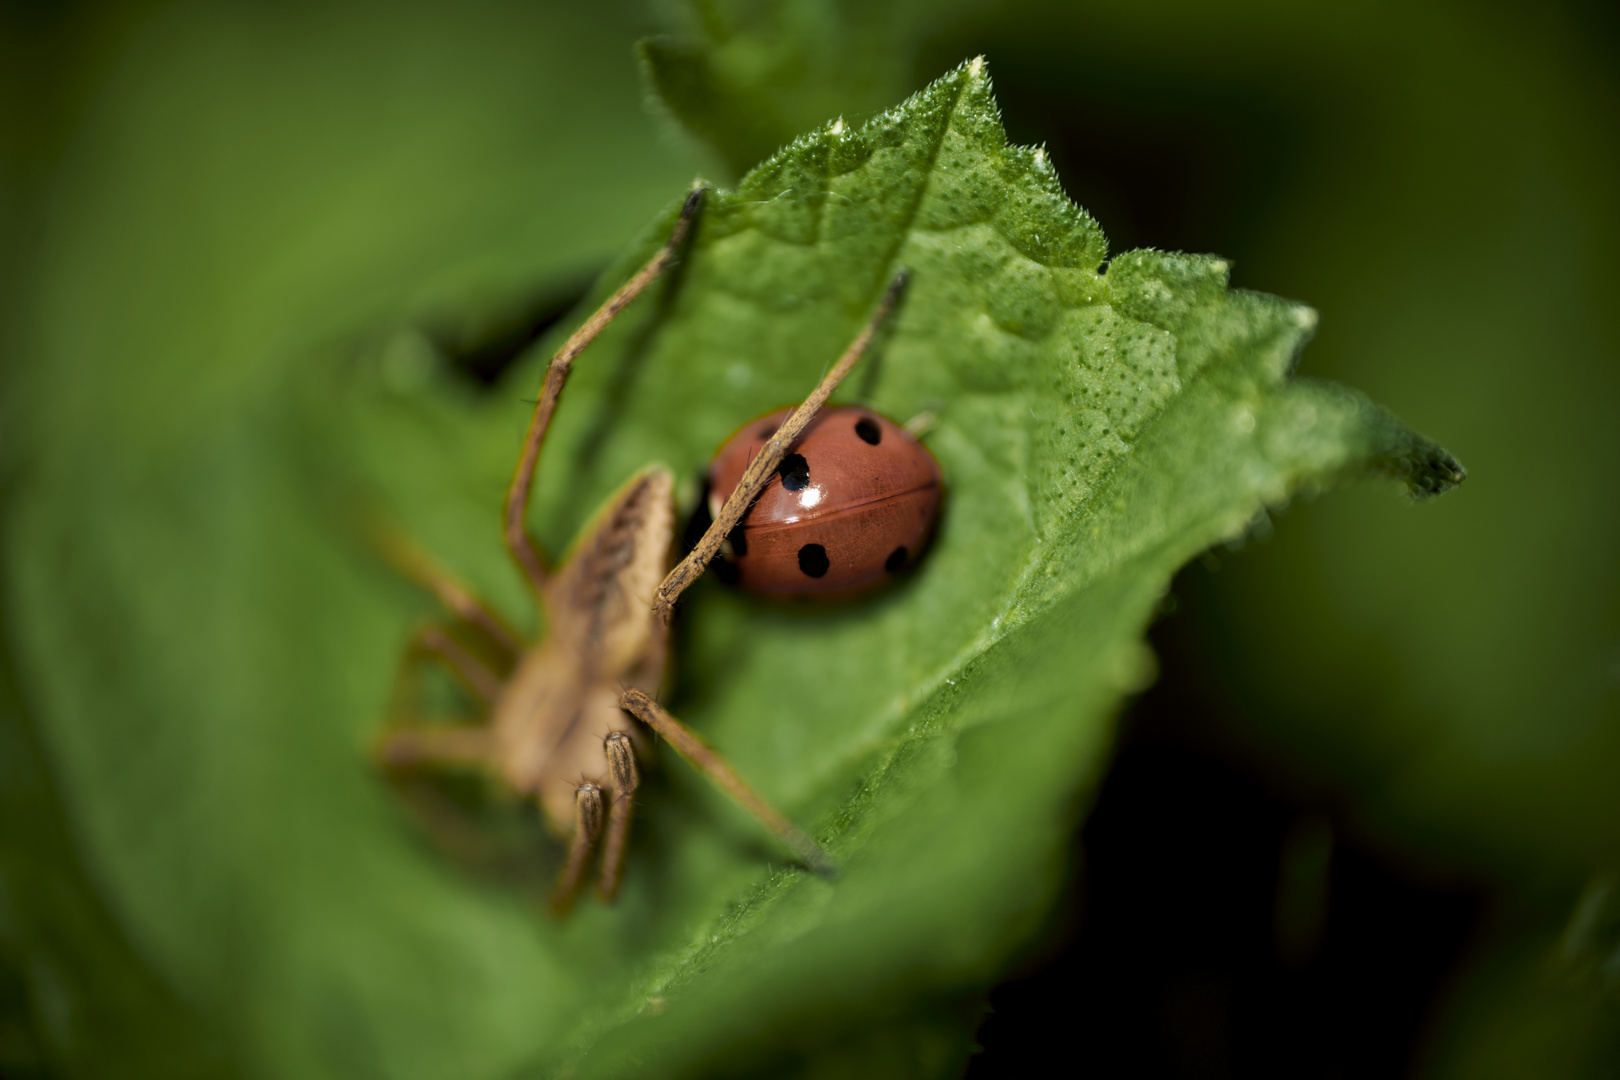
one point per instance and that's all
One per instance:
(739, 542)
(868, 431)
(795, 474)
(813, 560)
(896, 559)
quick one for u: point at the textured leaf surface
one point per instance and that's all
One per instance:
(208, 688)
(1445, 681)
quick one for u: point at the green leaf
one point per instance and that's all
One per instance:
(1096, 429)
(209, 646)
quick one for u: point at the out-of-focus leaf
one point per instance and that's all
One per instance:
(76, 995)
(747, 78)
(1541, 1005)
(241, 191)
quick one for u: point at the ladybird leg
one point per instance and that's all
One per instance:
(705, 760)
(461, 745)
(517, 536)
(587, 826)
(920, 425)
(459, 600)
(622, 762)
(436, 642)
(761, 470)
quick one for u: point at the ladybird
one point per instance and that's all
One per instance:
(851, 504)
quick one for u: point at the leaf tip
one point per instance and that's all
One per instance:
(1432, 471)
(1426, 468)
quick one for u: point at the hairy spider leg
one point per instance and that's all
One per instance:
(626, 779)
(516, 533)
(435, 641)
(456, 597)
(587, 826)
(759, 473)
(703, 758)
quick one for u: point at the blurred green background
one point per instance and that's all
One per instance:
(1436, 693)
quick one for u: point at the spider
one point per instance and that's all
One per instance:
(559, 726)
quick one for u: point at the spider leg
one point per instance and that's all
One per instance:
(457, 598)
(463, 745)
(705, 760)
(454, 745)
(517, 536)
(763, 468)
(622, 761)
(587, 826)
(435, 641)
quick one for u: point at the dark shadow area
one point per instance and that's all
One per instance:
(1159, 157)
(608, 409)
(1227, 925)
(1222, 923)
(483, 355)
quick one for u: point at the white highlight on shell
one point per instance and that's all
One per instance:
(811, 498)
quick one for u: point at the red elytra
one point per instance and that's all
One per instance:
(851, 505)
